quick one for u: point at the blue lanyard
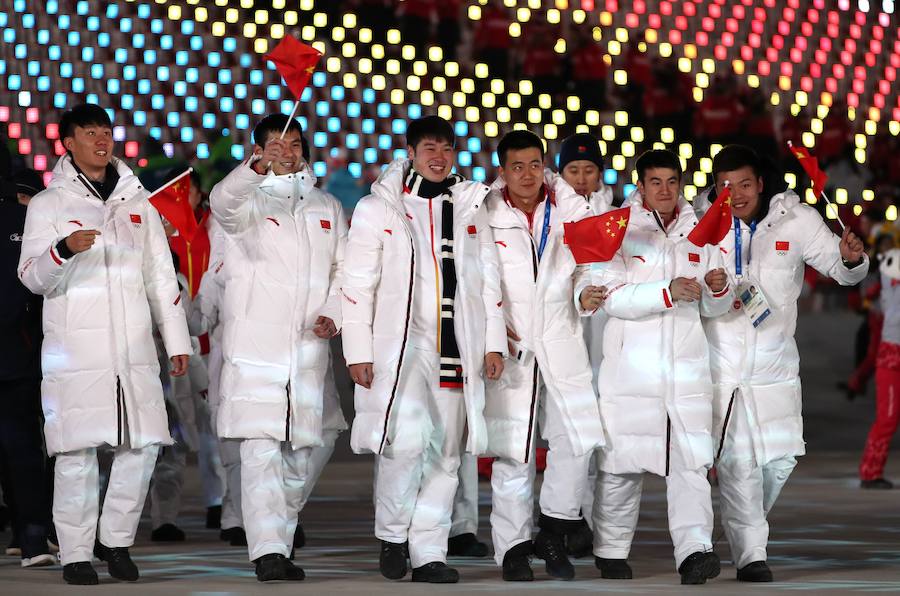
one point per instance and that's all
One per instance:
(738, 262)
(546, 231)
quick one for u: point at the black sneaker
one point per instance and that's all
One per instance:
(436, 572)
(466, 545)
(80, 574)
(393, 559)
(275, 566)
(167, 533)
(580, 540)
(878, 483)
(214, 517)
(516, 563)
(757, 571)
(613, 568)
(552, 549)
(234, 536)
(120, 565)
(299, 537)
(699, 567)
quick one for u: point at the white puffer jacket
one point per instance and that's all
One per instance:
(285, 251)
(601, 202)
(537, 305)
(98, 357)
(377, 303)
(763, 362)
(655, 386)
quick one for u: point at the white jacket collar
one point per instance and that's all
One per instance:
(685, 219)
(65, 177)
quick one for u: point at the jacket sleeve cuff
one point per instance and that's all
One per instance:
(357, 344)
(63, 251)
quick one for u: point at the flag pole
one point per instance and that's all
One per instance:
(291, 117)
(170, 182)
(837, 215)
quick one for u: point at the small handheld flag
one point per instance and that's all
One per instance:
(296, 63)
(596, 239)
(818, 177)
(172, 202)
(715, 223)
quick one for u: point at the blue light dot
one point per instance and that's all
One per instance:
(256, 77)
(196, 43)
(383, 110)
(461, 129)
(129, 72)
(158, 102)
(334, 124)
(138, 40)
(82, 8)
(370, 154)
(156, 26)
(155, 132)
(52, 8)
(43, 83)
(240, 91)
(355, 169)
(180, 88)
(181, 58)
(165, 42)
(214, 59)
(112, 11)
(9, 35)
(229, 44)
(464, 158)
(127, 102)
(96, 71)
(337, 93)
(320, 169)
(628, 189)
(385, 142)
(144, 11)
(191, 104)
(187, 134)
(92, 98)
(65, 70)
(149, 56)
(43, 37)
(191, 75)
(352, 141)
(399, 154)
(210, 90)
(209, 120)
(479, 174)
(27, 20)
(93, 23)
(103, 40)
(112, 87)
(273, 92)
(495, 161)
(368, 126)
(77, 85)
(226, 104)
(202, 151)
(610, 176)
(140, 118)
(21, 51)
(246, 60)
(321, 108)
(162, 73)
(59, 100)
(34, 68)
(414, 111)
(258, 106)
(121, 55)
(474, 145)
(369, 95)
(353, 110)
(64, 21)
(187, 27)
(319, 79)
(237, 152)
(144, 87)
(125, 25)
(287, 107)
(14, 82)
(398, 127)
(242, 121)
(320, 139)
(306, 95)
(172, 119)
(73, 38)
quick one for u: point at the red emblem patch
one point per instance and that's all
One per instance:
(781, 245)
(135, 218)
(737, 304)
(472, 230)
(694, 257)
(326, 225)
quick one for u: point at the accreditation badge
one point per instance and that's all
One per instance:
(753, 302)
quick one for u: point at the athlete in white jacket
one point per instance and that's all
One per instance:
(758, 428)
(548, 378)
(422, 321)
(282, 306)
(95, 248)
(655, 386)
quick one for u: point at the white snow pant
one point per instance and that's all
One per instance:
(464, 519)
(230, 452)
(76, 499)
(272, 479)
(748, 491)
(512, 485)
(618, 501)
(166, 484)
(318, 457)
(414, 489)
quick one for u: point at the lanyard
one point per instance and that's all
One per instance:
(546, 231)
(738, 262)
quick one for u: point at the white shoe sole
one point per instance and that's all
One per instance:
(44, 560)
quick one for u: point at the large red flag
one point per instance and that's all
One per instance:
(172, 203)
(596, 239)
(715, 223)
(811, 167)
(296, 63)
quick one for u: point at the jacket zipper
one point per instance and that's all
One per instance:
(668, 442)
(120, 408)
(287, 418)
(534, 380)
(725, 424)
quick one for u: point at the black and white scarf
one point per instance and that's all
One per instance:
(451, 374)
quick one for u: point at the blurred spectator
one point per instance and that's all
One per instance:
(415, 23)
(376, 15)
(589, 72)
(342, 183)
(23, 464)
(719, 116)
(759, 128)
(845, 172)
(836, 133)
(541, 64)
(492, 40)
(448, 27)
(667, 101)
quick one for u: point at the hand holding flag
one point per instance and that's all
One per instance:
(596, 239)
(818, 177)
(715, 223)
(172, 202)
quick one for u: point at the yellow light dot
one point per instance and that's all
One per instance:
(277, 4)
(467, 86)
(558, 117)
(868, 194)
(348, 50)
(840, 196)
(690, 51)
(378, 82)
(520, 126)
(816, 126)
(365, 35)
(550, 131)
(349, 20)
(560, 47)
(894, 127)
(333, 64)
(459, 99)
(667, 135)
(231, 15)
(592, 117)
(393, 37)
(890, 213)
(614, 48)
(497, 86)
(503, 114)
(544, 101)
(319, 45)
(277, 31)
(684, 64)
(349, 80)
(851, 114)
(831, 211)
(775, 99)
(637, 134)
(621, 118)
(753, 81)
(200, 14)
(523, 14)
(435, 54)
(606, 18)
(702, 80)
(685, 151)
(618, 162)
(597, 33)
(474, 12)
(244, 3)
(320, 20)
(579, 16)
(665, 49)
(690, 191)
(790, 179)
(808, 140)
(622, 35)
(393, 66)
(708, 65)
(860, 140)
(822, 111)
(874, 114)
(659, 145)
(250, 30)
(451, 69)
(490, 129)
(472, 114)
(413, 82)
(608, 132)
(860, 155)
(308, 33)
(810, 197)
(427, 98)
(700, 179)
(628, 149)
(620, 77)
(261, 17)
(801, 98)
(871, 127)
(420, 69)
(698, 94)
(439, 84)
(582, 129)
(534, 115)
(573, 103)
(738, 67)
(514, 100)
(174, 12)
(784, 83)
(260, 46)
(445, 112)
(306, 5)
(602, 144)
(515, 30)
(377, 51)
(525, 87)
(651, 35)
(705, 165)
(397, 96)
(337, 34)
(553, 16)
(488, 100)
(481, 71)
(857, 210)
(408, 53)
(795, 109)
(218, 28)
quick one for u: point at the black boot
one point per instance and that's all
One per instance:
(234, 536)
(879, 483)
(757, 571)
(699, 567)
(167, 533)
(120, 565)
(436, 572)
(516, 564)
(214, 517)
(299, 536)
(275, 566)
(393, 559)
(466, 545)
(549, 545)
(80, 574)
(613, 568)
(580, 540)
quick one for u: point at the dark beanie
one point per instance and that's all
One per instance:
(580, 146)
(28, 182)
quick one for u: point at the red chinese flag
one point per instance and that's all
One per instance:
(296, 63)
(172, 203)
(811, 167)
(596, 239)
(715, 223)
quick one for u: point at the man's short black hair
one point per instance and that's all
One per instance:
(657, 158)
(429, 127)
(735, 157)
(83, 115)
(274, 123)
(517, 140)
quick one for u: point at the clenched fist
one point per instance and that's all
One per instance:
(685, 289)
(81, 240)
(592, 297)
(716, 279)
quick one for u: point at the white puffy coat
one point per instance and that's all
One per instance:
(763, 362)
(98, 357)
(282, 271)
(537, 305)
(655, 386)
(377, 305)
(601, 202)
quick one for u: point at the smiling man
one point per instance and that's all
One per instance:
(422, 324)
(282, 275)
(758, 427)
(654, 383)
(95, 248)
